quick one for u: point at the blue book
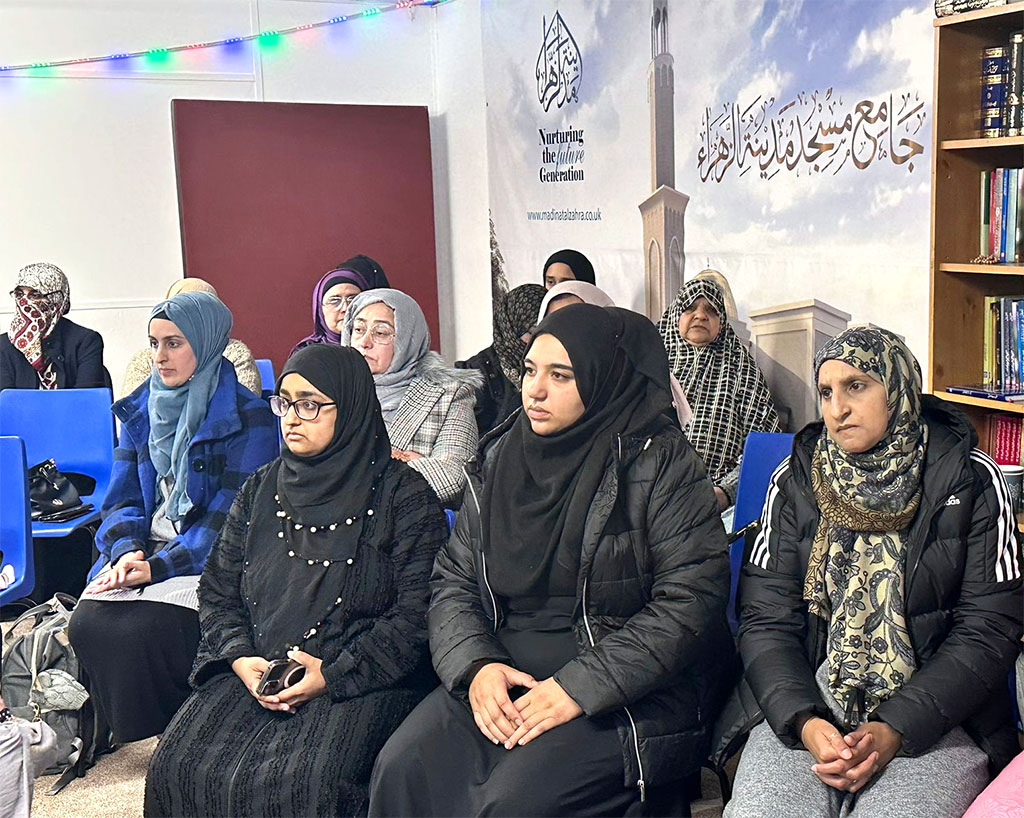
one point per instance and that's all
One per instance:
(979, 390)
(1002, 209)
(1011, 214)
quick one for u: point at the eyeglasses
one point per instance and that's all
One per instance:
(381, 333)
(336, 302)
(305, 409)
(30, 293)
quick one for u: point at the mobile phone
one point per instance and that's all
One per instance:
(280, 674)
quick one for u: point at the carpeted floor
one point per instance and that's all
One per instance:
(114, 789)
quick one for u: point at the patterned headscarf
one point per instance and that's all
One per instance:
(35, 318)
(513, 316)
(191, 285)
(412, 342)
(177, 412)
(855, 575)
(725, 389)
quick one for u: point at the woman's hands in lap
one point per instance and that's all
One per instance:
(545, 706)
(849, 762)
(493, 711)
(131, 571)
(250, 670)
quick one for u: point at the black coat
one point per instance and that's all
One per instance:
(650, 622)
(498, 397)
(76, 352)
(962, 594)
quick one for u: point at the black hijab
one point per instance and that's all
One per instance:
(336, 484)
(362, 271)
(576, 261)
(542, 486)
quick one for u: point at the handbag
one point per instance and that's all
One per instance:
(53, 496)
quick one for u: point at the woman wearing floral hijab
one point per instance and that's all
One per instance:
(881, 603)
(501, 363)
(43, 349)
(725, 389)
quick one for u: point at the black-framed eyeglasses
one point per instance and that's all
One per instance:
(336, 302)
(305, 409)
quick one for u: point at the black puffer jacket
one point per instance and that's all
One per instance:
(650, 613)
(962, 592)
(498, 397)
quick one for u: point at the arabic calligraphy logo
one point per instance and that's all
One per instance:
(815, 132)
(559, 65)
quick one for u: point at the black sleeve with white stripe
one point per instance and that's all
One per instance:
(973, 660)
(773, 620)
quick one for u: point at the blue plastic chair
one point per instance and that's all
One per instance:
(762, 453)
(74, 427)
(15, 524)
(267, 379)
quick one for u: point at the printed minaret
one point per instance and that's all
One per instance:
(663, 211)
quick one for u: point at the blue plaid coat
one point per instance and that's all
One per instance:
(238, 436)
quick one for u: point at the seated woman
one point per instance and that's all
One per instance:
(567, 265)
(189, 439)
(427, 406)
(324, 560)
(725, 389)
(881, 606)
(501, 364)
(577, 618)
(43, 349)
(580, 292)
(140, 367)
(333, 294)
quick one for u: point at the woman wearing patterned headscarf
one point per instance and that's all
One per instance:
(333, 294)
(190, 436)
(881, 603)
(501, 363)
(140, 367)
(427, 406)
(43, 349)
(726, 391)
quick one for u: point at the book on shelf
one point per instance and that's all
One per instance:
(1001, 217)
(1014, 116)
(946, 8)
(1004, 438)
(994, 76)
(987, 391)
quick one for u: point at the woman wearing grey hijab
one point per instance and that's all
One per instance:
(427, 405)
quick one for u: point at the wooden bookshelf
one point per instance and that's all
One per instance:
(958, 287)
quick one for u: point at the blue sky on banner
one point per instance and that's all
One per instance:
(862, 50)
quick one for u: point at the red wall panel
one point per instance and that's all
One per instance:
(272, 195)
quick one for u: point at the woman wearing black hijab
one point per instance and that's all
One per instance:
(577, 617)
(567, 265)
(324, 560)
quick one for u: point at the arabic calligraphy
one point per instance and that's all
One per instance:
(814, 132)
(559, 65)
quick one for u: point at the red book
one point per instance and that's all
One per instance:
(995, 220)
(1006, 451)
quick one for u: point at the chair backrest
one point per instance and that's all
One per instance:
(75, 427)
(15, 522)
(267, 379)
(762, 453)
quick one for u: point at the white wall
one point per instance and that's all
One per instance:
(86, 154)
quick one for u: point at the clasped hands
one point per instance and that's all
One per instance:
(130, 571)
(250, 670)
(545, 705)
(848, 762)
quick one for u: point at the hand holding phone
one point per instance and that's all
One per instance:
(279, 675)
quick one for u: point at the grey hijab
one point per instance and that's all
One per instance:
(412, 342)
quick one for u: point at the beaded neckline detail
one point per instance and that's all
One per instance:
(288, 525)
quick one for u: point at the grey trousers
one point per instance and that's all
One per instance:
(774, 781)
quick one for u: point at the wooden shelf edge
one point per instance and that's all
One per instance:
(979, 142)
(980, 14)
(984, 269)
(981, 403)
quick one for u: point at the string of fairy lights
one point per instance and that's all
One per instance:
(268, 37)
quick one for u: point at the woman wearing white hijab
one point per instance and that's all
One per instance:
(427, 405)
